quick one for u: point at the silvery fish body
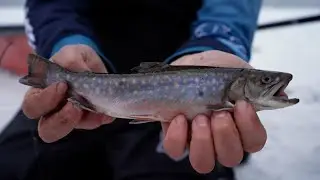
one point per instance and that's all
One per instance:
(159, 92)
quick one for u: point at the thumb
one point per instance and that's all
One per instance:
(93, 60)
(79, 58)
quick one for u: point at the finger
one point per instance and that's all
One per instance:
(223, 59)
(91, 120)
(94, 62)
(201, 146)
(70, 58)
(38, 102)
(58, 125)
(212, 58)
(253, 134)
(227, 141)
(176, 137)
(79, 58)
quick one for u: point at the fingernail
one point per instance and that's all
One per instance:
(220, 114)
(242, 105)
(179, 119)
(201, 121)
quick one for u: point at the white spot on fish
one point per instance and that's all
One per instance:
(204, 89)
(135, 92)
(196, 80)
(86, 86)
(155, 83)
(68, 76)
(110, 90)
(134, 81)
(176, 85)
(213, 81)
(97, 90)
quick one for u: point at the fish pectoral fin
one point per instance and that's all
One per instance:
(220, 107)
(146, 67)
(81, 102)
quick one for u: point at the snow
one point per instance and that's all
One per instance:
(15, 13)
(11, 94)
(293, 148)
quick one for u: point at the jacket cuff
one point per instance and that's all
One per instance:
(205, 44)
(80, 39)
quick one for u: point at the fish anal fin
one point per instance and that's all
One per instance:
(81, 102)
(136, 121)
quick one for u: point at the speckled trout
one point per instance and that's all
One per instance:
(155, 91)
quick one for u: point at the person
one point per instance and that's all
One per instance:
(112, 37)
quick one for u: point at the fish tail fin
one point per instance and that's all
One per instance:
(38, 68)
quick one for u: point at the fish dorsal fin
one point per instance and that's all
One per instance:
(153, 67)
(146, 67)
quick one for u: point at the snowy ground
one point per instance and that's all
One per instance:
(293, 148)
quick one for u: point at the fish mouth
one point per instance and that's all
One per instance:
(280, 96)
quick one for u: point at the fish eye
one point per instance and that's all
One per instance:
(266, 79)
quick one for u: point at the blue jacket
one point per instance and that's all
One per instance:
(167, 28)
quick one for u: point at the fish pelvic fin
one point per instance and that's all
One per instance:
(81, 102)
(145, 118)
(37, 71)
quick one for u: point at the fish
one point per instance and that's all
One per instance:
(157, 92)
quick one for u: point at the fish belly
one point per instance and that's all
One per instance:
(150, 110)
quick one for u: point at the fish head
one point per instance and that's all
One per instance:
(263, 89)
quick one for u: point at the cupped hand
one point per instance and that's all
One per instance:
(57, 117)
(223, 137)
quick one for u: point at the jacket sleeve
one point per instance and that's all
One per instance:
(225, 25)
(50, 25)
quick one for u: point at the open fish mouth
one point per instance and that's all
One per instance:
(280, 95)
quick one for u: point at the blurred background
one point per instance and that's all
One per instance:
(293, 147)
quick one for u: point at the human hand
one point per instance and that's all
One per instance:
(57, 121)
(223, 136)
